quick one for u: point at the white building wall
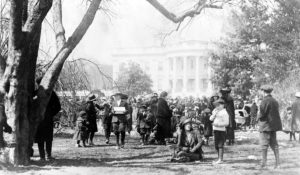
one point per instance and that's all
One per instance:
(180, 65)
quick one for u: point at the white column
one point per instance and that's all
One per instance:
(209, 71)
(174, 75)
(197, 75)
(184, 79)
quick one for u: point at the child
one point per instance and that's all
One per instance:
(144, 120)
(220, 120)
(81, 129)
(207, 124)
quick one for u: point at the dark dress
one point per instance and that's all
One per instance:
(91, 112)
(163, 119)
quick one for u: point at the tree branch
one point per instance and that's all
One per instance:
(176, 19)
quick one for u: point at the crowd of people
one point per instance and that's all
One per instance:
(188, 123)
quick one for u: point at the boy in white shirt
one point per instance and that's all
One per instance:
(220, 120)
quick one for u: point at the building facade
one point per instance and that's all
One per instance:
(182, 69)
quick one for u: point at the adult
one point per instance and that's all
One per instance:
(44, 134)
(163, 119)
(189, 146)
(296, 114)
(269, 123)
(119, 120)
(90, 109)
(253, 114)
(229, 106)
(208, 130)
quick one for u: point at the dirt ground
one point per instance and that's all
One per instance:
(240, 159)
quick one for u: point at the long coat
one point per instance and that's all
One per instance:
(269, 118)
(229, 105)
(45, 128)
(120, 117)
(91, 112)
(163, 117)
(296, 116)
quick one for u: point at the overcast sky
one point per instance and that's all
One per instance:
(132, 23)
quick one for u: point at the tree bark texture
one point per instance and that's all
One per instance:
(24, 106)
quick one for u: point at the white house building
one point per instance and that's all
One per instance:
(182, 69)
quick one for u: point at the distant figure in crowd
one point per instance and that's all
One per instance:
(81, 129)
(287, 121)
(119, 119)
(296, 114)
(229, 106)
(163, 119)
(189, 146)
(44, 134)
(208, 130)
(253, 114)
(220, 119)
(90, 109)
(106, 120)
(144, 120)
(269, 124)
(129, 117)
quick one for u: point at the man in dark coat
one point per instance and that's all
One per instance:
(119, 111)
(296, 114)
(269, 124)
(163, 119)
(44, 132)
(90, 109)
(229, 105)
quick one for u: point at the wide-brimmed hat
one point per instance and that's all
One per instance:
(225, 90)
(219, 101)
(267, 88)
(186, 121)
(297, 94)
(92, 97)
(82, 114)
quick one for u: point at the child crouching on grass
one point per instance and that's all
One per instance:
(81, 129)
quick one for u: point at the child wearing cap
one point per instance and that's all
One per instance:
(220, 119)
(144, 120)
(81, 129)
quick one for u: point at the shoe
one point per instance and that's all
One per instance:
(77, 145)
(218, 162)
(107, 141)
(42, 159)
(91, 143)
(122, 146)
(49, 158)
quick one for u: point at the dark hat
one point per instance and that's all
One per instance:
(154, 95)
(267, 88)
(82, 113)
(219, 101)
(144, 106)
(225, 90)
(91, 97)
